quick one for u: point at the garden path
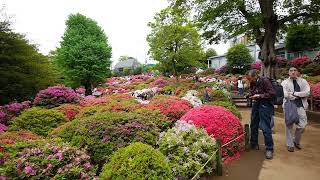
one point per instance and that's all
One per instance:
(302, 164)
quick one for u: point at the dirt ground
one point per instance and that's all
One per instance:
(300, 165)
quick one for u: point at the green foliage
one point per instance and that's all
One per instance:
(312, 69)
(227, 104)
(169, 89)
(218, 95)
(124, 58)
(37, 120)
(302, 37)
(174, 41)
(46, 160)
(313, 79)
(23, 70)
(85, 53)
(187, 148)
(239, 58)
(137, 161)
(105, 132)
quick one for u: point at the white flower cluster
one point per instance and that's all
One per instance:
(142, 96)
(191, 96)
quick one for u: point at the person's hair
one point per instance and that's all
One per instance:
(292, 66)
(252, 73)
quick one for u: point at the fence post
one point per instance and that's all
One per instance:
(247, 137)
(219, 158)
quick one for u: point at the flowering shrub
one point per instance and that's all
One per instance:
(69, 110)
(137, 161)
(37, 120)
(103, 133)
(56, 95)
(316, 91)
(187, 149)
(191, 96)
(40, 160)
(219, 123)
(282, 62)
(173, 107)
(257, 65)
(222, 70)
(81, 91)
(9, 111)
(3, 117)
(228, 105)
(300, 61)
(218, 95)
(3, 128)
(160, 82)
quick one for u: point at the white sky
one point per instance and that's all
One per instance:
(124, 22)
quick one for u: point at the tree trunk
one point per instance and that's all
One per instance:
(88, 88)
(267, 47)
(175, 68)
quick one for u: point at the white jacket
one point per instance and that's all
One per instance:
(303, 94)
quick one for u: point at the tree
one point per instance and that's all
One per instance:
(302, 37)
(259, 19)
(174, 42)
(84, 55)
(23, 70)
(209, 53)
(239, 58)
(124, 58)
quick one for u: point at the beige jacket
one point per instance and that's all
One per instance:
(304, 90)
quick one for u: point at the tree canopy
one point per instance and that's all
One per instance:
(259, 19)
(174, 41)
(239, 59)
(84, 54)
(23, 70)
(124, 58)
(302, 37)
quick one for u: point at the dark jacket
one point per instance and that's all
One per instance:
(263, 87)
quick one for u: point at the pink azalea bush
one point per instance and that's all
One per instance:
(316, 91)
(220, 124)
(56, 95)
(173, 107)
(281, 61)
(257, 65)
(300, 61)
(9, 111)
(160, 82)
(223, 69)
(3, 128)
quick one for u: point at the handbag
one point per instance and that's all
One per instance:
(291, 115)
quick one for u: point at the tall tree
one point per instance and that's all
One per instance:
(84, 54)
(23, 70)
(174, 42)
(260, 19)
(303, 37)
(239, 58)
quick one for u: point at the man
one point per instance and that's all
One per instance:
(261, 92)
(296, 89)
(240, 86)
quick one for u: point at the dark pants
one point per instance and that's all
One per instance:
(261, 115)
(240, 93)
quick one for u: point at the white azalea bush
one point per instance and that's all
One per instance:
(191, 96)
(188, 148)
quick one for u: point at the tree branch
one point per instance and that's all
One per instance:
(293, 17)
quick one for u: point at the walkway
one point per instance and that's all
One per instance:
(299, 165)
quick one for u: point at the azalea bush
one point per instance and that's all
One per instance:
(191, 96)
(222, 70)
(173, 107)
(316, 91)
(227, 104)
(281, 61)
(256, 65)
(37, 120)
(9, 111)
(137, 161)
(103, 133)
(187, 148)
(42, 160)
(300, 61)
(220, 123)
(56, 95)
(69, 110)
(312, 69)
(3, 128)
(160, 82)
(218, 95)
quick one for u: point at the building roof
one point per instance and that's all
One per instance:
(127, 64)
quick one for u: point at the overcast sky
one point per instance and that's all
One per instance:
(124, 22)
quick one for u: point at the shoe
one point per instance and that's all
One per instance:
(255, 147)
(297, 146)
(290, 149)
(269, 154)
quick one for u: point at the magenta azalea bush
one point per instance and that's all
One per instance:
(3, 128)
(9, 111)
(40, 160)
(56, 95)
(257, 65)
(222, 70)
(219, 123)
(300, 61)
(316, 91)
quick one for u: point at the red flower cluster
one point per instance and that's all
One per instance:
(173, 107)
(69, 110)
(257, 65)
(316, 91)
(219, 123)
(300, 61)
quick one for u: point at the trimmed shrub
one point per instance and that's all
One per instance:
(218, 95)
(69, 110)
(137, 161)
(173, 107)
(104, 133)
(187, 149)
(231, 107)
(56, 95)
(42, 160)
(219, 123)
(37, 120)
